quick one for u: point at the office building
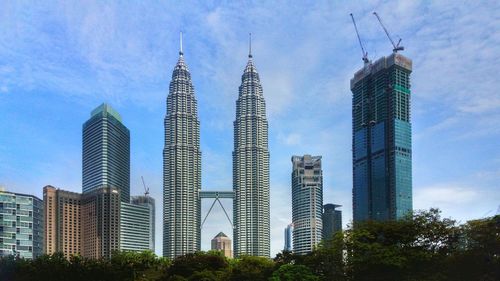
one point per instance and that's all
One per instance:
(135, 227)
(148, 202)
(222, 243)
(307, 203)
(288, 238)
(62, 218)
(21, 225)
(100, 219)
(106, 152)
(251, 168)
(332, 220)
(381, 139)
(181, 166)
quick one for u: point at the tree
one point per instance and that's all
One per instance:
(204, 264)
(250, 268)
(291, 272)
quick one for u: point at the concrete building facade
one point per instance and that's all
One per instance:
(101, 222)
(62, 221)
(222, 243)
(307, 203)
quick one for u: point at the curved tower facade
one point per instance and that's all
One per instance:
(181, 166)
(251, 168)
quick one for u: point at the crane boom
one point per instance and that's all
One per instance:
(396, 47)
(365, 54)
(146, 189)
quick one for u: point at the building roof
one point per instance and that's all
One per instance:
(221, 234)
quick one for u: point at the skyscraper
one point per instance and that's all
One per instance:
(251, 168)
(181, 166)
(21, 225)
(63, 228)
(332, 220)
(381, 139)
(106, 152)
(288, 238)
(307, 203)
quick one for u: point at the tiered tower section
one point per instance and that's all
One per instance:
(251, 168)
(181, 167)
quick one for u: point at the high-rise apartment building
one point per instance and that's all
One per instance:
(21, 225)
(136, 227)
(381, 139)
(181, 166)
(307, 203)
(62, 218)
(251, 168)
(332, 220)
(106, 152)
(100, 219)
(288, 238)
(222, 243)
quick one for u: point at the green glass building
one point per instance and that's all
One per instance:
(381, 139)
(106, 152)
(21, 225)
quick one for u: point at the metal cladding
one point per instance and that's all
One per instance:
(381, 139)
(251, 168)
(181, 167)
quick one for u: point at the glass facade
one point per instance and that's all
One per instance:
(135, 227)
(21, 225)
(106, 152)
(307, 203)
(381, 139)
(332, 220)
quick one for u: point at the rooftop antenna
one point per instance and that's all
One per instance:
(396, 47)
(365, 54)
(250, 45)
(146, 189)
(180, 51)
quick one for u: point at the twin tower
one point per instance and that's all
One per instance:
(182, 167)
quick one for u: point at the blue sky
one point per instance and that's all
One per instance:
(60, 60)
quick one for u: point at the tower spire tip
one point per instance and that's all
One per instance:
(180, 50)
(250, 45)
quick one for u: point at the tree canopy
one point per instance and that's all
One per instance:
(420, 247)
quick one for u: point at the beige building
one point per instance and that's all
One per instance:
(222, 243)
(62, 211)
(86, 225)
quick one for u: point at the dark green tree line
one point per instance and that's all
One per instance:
(423, 247)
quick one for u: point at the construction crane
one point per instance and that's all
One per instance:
(365, 54)
(146, 189)
(396, 47)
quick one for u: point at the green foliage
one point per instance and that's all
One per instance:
(421, 247)
(291, 272)
(201, 265)
(249, 268)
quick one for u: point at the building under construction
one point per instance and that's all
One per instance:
(381, 136)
